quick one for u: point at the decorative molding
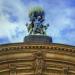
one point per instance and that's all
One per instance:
(50, 48)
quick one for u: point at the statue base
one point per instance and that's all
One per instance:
(37, 39)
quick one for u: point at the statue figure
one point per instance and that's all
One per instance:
(37, 17)
(39, 63)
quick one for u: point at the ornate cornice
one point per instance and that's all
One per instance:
(66, 49)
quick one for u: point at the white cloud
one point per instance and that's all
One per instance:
(8, 29)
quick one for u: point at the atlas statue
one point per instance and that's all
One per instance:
(37, 17)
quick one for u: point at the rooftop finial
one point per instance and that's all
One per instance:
(37, 17)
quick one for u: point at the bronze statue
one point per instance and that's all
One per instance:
(37, 26)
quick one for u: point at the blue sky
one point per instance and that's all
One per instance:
(60, 14)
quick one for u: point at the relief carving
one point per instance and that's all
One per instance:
(39, 63)
(12, 68)
(66, 71)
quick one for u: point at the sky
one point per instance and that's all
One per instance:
(59, 14)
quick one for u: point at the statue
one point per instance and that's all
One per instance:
(37, 26)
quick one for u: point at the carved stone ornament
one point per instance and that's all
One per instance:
(39, 63)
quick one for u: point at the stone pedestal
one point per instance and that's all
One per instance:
(37, 39)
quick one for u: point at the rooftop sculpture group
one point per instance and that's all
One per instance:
(37, 17)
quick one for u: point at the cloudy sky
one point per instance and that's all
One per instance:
(60, 14)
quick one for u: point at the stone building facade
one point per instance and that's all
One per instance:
(37, 58)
